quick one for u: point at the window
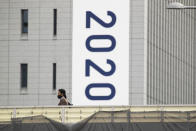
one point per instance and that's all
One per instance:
(24, 19)
(55, 22)
(54, 76)
(24, 75)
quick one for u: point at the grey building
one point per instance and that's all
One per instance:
(35, 51)
(36, 56)
(171, 53)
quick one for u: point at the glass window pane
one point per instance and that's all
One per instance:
(24, 21)
(24, 75)
(55, 22)
(54, 76)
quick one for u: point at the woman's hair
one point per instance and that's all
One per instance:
(63, 92)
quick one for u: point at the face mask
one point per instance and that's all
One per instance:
(59, 96)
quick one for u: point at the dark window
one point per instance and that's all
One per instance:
(24, 18)
(54, 76)
(55, 21)
(24, 75)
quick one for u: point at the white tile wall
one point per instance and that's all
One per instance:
(137, 41)
(38, 49)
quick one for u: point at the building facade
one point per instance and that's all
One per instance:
(170, 53)
(36, 52)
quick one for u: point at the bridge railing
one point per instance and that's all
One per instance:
(72, 114)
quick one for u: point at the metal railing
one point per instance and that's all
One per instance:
(72, 114)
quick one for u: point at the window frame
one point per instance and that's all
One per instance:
(23, 80)
(54, 76)
(24, 23)
(55, 22)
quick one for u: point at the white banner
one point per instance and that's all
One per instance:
(100, 61)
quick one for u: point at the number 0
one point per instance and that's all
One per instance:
(100, 85)
(100, 37)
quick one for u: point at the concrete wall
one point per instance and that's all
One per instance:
(40, 49)
(137, 77)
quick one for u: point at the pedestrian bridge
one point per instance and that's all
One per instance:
(72, 114)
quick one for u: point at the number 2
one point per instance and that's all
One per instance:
(104, 73)
(89, 15)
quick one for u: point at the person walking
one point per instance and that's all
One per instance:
(62, 96)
